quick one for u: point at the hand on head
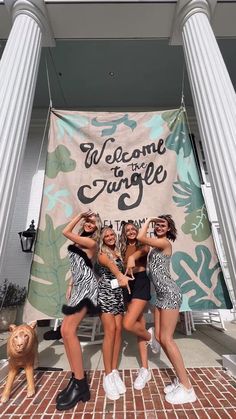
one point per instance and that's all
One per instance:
(87, 213)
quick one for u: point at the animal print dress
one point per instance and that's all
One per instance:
(85, 285)
(110, 300)
(168, 294)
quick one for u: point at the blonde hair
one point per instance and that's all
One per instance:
(103, 248)
(98, 222)
(123, 238)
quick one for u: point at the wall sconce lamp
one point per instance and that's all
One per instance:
(27, 238)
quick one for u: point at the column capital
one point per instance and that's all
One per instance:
(184, 10)
(36, 10)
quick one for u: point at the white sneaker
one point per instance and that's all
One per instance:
(155, 345)
(181, 395)
(118, 382)
(110, 387)
(143, 377)
(172, 386)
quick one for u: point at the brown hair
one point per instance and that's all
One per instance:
(172, 233)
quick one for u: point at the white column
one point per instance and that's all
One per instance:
(18, 75)
(215, 106)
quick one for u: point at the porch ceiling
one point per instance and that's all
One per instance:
(118, 73)
(118, 55)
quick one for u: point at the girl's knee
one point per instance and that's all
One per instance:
(165, 340)
(109, 332)
(127, 324)
(119, 328)
(67, 330)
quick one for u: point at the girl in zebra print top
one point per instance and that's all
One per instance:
(111, 302)
(168, 301)
(82, 297)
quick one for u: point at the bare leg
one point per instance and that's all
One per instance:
(142, 345)
(168, 321)
(72, 343)
(131, 322)
(109, 326)
(157, 322)
(117, 341)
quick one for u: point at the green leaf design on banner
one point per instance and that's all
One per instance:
(48, 297)
(178, 139)
(56, 197)
(203, 283)
(190, 195)
(171, 116)
(197, 224)
(70, 124)
(156, 124)
(114, 124)
(59, 161)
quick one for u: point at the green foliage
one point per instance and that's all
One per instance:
(172, 116)
(57, 198)
(114, 124)
(190, 195)
(202, 281)
(48, 289)
(70, 125)
(11, 294)
(197, 224)
(178, 139)
(59, 161)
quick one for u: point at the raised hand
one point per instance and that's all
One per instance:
(87, 213)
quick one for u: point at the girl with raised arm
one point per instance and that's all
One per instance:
(111, 302)
(168, 301)
(82, 297)
(134, 255)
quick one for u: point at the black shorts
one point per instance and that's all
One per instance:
(139, 287)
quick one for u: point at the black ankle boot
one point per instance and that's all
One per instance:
(66, 389)
(79, 390)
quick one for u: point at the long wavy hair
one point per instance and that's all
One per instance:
(172, 233)
(105, 249)
(98, 222)
(123, 238)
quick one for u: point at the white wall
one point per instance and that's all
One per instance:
(16, 266)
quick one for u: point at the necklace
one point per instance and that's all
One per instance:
(132, 244)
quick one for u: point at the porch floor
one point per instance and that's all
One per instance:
(216, 393)
(202, 352)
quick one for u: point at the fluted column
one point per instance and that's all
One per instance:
(18, 75)
(215, 106)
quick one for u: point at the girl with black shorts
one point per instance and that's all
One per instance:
(134, 255)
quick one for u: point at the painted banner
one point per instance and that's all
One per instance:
(124, 166)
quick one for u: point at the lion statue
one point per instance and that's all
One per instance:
(22, 351)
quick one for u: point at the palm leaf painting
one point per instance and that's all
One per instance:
(201, 279)
(47, 288)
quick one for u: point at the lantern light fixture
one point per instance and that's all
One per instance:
(27, 238)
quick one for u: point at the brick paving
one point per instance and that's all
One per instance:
(216, 393)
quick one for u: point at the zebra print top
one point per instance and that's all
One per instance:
(168, 294)
(85, 287)
(110, 300)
